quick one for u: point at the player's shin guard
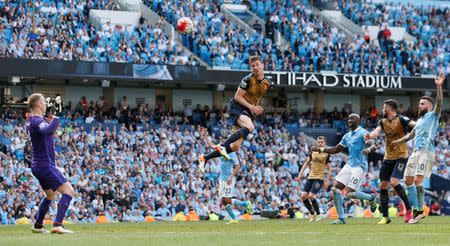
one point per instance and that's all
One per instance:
(402, 194)
(338, 203)
(412, 196)
(241, 133)
(63, 205)
(384, 199)
(420, 197)
(308, 205)
(229, 209)
(43, 209)
(315, 205)
(237, 202)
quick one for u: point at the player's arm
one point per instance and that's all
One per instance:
(48, 128)
(204, 134)
(375, 133)
(370, 149)
(304, 166)
(329, 171)
(406, 138)
(439, 97)
(239, 97)
(334, 150)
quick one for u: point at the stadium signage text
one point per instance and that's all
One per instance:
(336, 80)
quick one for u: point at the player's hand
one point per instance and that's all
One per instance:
(257, 110)
(440, 80)
(396, 143)
(229, 181)
(365, 151)
(300, 176)
(326, 183)
(367, 137)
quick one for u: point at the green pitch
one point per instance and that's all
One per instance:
(431, 231)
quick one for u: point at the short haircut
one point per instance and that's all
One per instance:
(392, 102)
(33, 99)
(428, 98)
(322, 137)
(254, 58)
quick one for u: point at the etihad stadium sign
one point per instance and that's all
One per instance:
(335, 80)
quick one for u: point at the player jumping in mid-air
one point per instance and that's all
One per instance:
(318, 162)
(395, 126)
(422, 159)
(243, 107)
(43, 166)
(227, 180)
(351, 175)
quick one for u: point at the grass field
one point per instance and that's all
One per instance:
(431, 231)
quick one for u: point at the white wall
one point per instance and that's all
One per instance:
(338, 100)
(202, 97)
(132, 94)
(398, 33)
(405, 100)
(303, 101)
(74, 94)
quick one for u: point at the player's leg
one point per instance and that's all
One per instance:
(342, 179)
(226, 201)
(67, 192)
(410, 171)
(317, 185)
(385, 173)
(247, 127)
(42, 211)
(357, 176)
(396, 176)
(423, 169)
(305, 199)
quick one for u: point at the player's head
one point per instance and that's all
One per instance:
(425, 105)
(353, 121)
(321, 141)
(390, 107)
(256, 65)
(37, 104)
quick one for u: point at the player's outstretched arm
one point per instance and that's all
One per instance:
(375, 133)
(334, 150)
(406, 138)
(237, 167)
(439, 97)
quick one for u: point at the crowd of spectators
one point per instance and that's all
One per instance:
(127, 171)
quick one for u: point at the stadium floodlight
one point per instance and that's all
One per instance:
(220, 87)
(106, 83)
(380, 90)
(14, 79)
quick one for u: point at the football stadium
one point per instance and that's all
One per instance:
(224, 122)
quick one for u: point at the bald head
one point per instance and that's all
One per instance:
(353, 121)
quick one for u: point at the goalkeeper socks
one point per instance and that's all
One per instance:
(338, 203)
(237, 202)
(230, 211)
(315, 205)
(384, 199)
(412, 196)
(43, 209)
(241, 133)
(420, 197)
(402, 194)
(63, 205)
(308, 206)
(212, 155)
